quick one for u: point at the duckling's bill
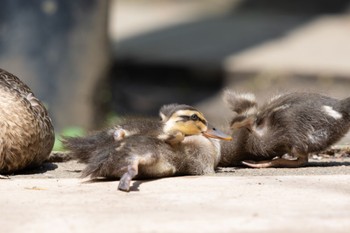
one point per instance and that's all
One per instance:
(216, 133)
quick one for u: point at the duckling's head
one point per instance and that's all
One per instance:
(184, 119)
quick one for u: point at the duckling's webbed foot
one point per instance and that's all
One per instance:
(133, 169)
(124, 183)
(301, 160)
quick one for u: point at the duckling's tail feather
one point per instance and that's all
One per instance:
(104, 163)
(82, 148)
(95, 169)
(241, 103)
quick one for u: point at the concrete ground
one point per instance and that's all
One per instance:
(54, 199)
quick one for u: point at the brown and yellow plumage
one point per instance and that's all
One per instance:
(26, 131)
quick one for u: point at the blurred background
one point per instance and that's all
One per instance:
(94, 61)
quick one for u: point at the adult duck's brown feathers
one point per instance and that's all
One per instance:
(26, 131)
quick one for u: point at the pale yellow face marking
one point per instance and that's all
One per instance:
(186, 126)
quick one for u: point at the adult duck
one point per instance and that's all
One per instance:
(26, 131)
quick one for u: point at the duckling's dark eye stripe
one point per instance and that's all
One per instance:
(203, 121)
(187, 118)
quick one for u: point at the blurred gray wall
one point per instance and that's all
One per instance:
(60, 49)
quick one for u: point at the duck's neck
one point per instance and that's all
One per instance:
(245, 145)
(205, 147)
(216, 150)
(232, 152)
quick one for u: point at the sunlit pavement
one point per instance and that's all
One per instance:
(180, 204)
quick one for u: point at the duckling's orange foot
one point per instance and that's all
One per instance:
(279, 162)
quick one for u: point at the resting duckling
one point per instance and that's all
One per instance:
(26, 131)
(164, 129)
(294, 123)
(149, 155)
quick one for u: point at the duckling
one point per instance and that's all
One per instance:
(26, 131)
(165, 129)
(83, 146)
(148, 155)
(294, 123)
(172, 128)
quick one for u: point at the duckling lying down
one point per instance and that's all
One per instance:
(294, 123)
(180, 144)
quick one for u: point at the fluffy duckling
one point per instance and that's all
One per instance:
(26, 131)
(294, 123)
(180, 144)
(164, 129)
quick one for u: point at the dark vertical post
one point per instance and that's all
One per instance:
(60, 49)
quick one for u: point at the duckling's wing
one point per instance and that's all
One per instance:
(142, 126)
(113, 160)
(105, 162)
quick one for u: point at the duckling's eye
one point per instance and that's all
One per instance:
(194, 117)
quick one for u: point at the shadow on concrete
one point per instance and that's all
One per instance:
(328, 164)
(136, 184)
(134, 187)
(45, 167)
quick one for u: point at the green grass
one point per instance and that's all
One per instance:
(67, 132)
